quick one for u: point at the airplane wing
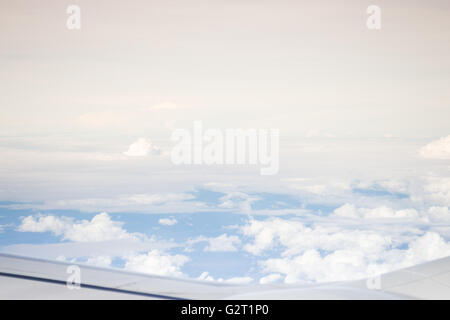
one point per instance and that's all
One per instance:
(31, 278)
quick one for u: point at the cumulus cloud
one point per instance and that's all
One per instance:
(295, 237)
(205, 276)
(100, 228)
(52, 224)
(311, 267)
(107, 239)
(438, 149)
(325, 253)
(157, 263)
(167, 221)
(141, 148)
(222, 243)
(271, 278)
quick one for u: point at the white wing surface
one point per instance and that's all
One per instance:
(30, 278)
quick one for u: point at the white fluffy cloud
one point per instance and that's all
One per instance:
(324, 253)
(167, 221)
(438, 149)
(271, 278)
(205, 276)
(354, 263)
(100, 228)
(222, 243)
(295, 237)
(52, 224)
(157, 263)
(141, 148)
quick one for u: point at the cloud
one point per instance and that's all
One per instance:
(80, 251)
(97, 242)
(439, 214)
(319, 187)
(349, 264)
(141, 148)
(271, 278)
(383, 212)
(158, 198)
(238, 200)
(167, 221)
(437, 190)
(388, 185)
(205, 276)
(222, 243)
(438, 149)
(157, 263)
(325, 252)
(145, 203)
(293, 236)
(100, 261)
(45, 224)
(239, 280)
(100, 228)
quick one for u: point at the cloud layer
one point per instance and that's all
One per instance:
(325, 253)
(100, 228)
(438, 149)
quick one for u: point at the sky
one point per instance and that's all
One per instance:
(87, 116)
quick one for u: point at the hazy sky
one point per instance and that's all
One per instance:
(142, 68)
(297, 65)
